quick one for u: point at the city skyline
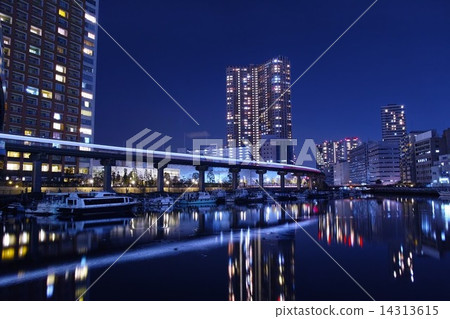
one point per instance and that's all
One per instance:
(415, 78)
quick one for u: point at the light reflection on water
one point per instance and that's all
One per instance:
(261, 266)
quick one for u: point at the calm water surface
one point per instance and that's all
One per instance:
(396, 248)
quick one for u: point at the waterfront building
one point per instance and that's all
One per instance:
(383, 162)
(258, 103)
(393, 122)
(341, 173)
(359, 165)
(50, 51)
(375, 163)
(428, 146)
(440, 171)
(408, 157)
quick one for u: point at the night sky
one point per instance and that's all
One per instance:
(397, 53)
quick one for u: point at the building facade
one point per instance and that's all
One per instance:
(341, 174)
(408, 158)
(440, 171)
(332, 152)
(383, 163)
(258, 103)
(393, 122)
(428, 147)
(359, 165)
(50, 51)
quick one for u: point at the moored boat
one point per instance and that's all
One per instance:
(96, 203)
(49, 205)
(196, 198)
(159, 201)
(444, 194)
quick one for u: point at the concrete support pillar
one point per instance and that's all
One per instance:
(107, 179)
(310, 182)
(37, 172)
(262, 219)
(234, 177)
(160, 178)
(299, 181)
(261, 173)
(201, 177)
(282, 179)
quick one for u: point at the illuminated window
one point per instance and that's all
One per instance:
(85, 130)
(44, 167)
(88, 51)
(87, 95)
(34, 50)
(91, 35)
(28, 167)
(5, 18)
(86, 113)
(26, 155)
(13, 154)
(60, 78)
(57, 116)
(88, 43)
(13, 166)
(60, 68)
(28, 133)
(87, 104)
(36, 30)
(56, 168)
(6, 40)
(62, 31)
(57, 126)
(47, 94)
(32, 90)
(90, 18)
(63, 13)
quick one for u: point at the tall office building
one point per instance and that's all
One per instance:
(428, 146)
(49, 51)
(393, 123)
(408, 157)
(383, 159)
(258, 103)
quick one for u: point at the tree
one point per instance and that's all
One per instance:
(126, 178)
(211, 178)
(195, 176)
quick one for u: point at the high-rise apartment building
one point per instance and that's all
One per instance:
(393, 123)
(49, 53)
(332, 152)
(258, 103)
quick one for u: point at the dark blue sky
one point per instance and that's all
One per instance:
(399, 52)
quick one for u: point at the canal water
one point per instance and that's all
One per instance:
(395, 248)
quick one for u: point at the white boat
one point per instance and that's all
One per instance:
(159, 201)
(242, 196)
(256, 197)
(49, 205)
(196, 198)
(220, 195)
(96, 203)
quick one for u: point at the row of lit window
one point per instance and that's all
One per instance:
(28, 167)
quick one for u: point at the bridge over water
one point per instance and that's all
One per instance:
(40, 148)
